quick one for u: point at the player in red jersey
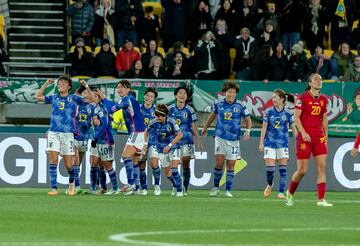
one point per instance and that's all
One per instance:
(312, 123)
(355, 150)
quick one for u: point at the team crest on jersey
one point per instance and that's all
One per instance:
(88, 110)
(298, 102)
(310, 103)
(236, 110)
(69, 99)
(283, 117)
(185, 115)
(168, 128)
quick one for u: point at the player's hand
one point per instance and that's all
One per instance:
(49, 81)
(204, 132)
(246, 136)
(306, 137)
(354, 152)
(166, 150)
(83, 83)
(261, 147)
(100, 93)
(200, 146)
(93, 143)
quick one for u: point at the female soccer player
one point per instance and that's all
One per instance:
(185, 117)
(312, 123)
(355, 150)
(167, 134)
(134, 121)
(228, 113)
(60, 139)
(274, 140)
(148, 111)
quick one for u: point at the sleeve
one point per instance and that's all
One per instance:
(176, 126)
(193, 114)
(103, 123)
(124, 103)
(109, 105)
(48, 99)
(357, 141)
(298, 103)
(291, 119)
(266, 116)
(79, 100)
(151, 124)
(214, 108)
(245, 112)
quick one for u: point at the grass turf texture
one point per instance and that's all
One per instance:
(31, 217)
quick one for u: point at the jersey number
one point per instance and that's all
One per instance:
(235, 150)
(164, 134)
(228, 116)
(315, 110)
(83, 118)
(178, 122)
(277, 124)
(62, 106)
(146, 121)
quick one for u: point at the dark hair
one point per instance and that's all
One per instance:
(125, 83)
(356, 93)
(81, 89)
(311, 76)
(286, 96)
(149, 9)
(151, 89)
(161, 109)
(230, 85)
(67, 78)
(181, 88)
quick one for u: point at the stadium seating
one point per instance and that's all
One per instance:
(88, 48)
(98, 48)
(328, 52)
(157, 8)
(2, 27)
(308, 53)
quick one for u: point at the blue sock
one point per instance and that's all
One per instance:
(77, 172)
(217, 176)
(53, 175)
(94, 173)
(229, 179)
(171, 178)
(112, 176)
(177, 178)
(186, 174)
(283, 176)
(129, 170)
(71, 173)
(143, 179)
(102, 178)
(270, 174)
(157, 174)
(136, 174)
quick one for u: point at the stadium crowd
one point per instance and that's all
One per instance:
(216, 39)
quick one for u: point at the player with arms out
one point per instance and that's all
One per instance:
(274, 140)
(312, 123)
(228, 113)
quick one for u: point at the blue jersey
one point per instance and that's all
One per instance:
(228, 116)
(164, 133)
(84, 128)
(184, 117)
(148, 114)
(63, 112)
(131, 109)
(103, 132)
(277, 132)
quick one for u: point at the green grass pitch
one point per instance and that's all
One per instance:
(31, 217)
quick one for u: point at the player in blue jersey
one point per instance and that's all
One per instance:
(135, 124)
(274, 140)
(102, 147)
(82, 135)
(148, 111)
(228, 113)
(62, 128)
(167, 134)
(185, 117)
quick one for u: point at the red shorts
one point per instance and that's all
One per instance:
(317, 146)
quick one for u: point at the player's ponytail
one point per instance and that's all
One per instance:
(290, 98)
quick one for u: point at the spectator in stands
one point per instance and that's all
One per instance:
(353, 73)
(125, 58)
(127, 13)
(262, 64)
(268, 36)
(214, 5)
(342, 59)
(3, 57)
(320, 63)
(136, 71)
(224, 42)
(229, 14)
(249, 15)
(156, 69)
(104, 23)
(205, 57)
(201, 19)
(151, 51)
(245, 46)
(290, 22)
(178, 46)
(178, 68)
(82, 62)
(269, 15)
(105, 61)
(299, 67)
(82, 20)
(280, 64)
(315, 18)
(355, 38)
(174, 22)
(149, 26)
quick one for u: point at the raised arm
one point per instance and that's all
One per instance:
(40, 94)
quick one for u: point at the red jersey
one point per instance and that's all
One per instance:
(312, 113)
(357, 141)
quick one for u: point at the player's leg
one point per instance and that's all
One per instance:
(54, 160)
(229, 176)
(187, 152)
(77, 165)
(143, 176)
(101, 180)
(69, 165)
(156, 174)
(220, 152)
(269, 158)
(136, 174)
(174, 157)
(127, 155)
(283, 177)
(94, 170)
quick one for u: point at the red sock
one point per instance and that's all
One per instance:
(321, 188)
(293, 186)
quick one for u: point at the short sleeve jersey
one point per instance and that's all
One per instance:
(228, 116)
(148, 114)
(277, 132)
(184, 118)
(84, 128)
(103, 132)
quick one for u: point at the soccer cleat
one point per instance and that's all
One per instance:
(289, 200)
(214, 191)
(179, 194)
(143, 192)
(173, 192)
(228, 194)
(281, 196)
(53, 192)
(157, 190)
(268, 190)
(101, 192)
(79, 190)
(112, 192)
(71, 190)
(137, 192)
(324, 203)
(126, 188)
(130, 190)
